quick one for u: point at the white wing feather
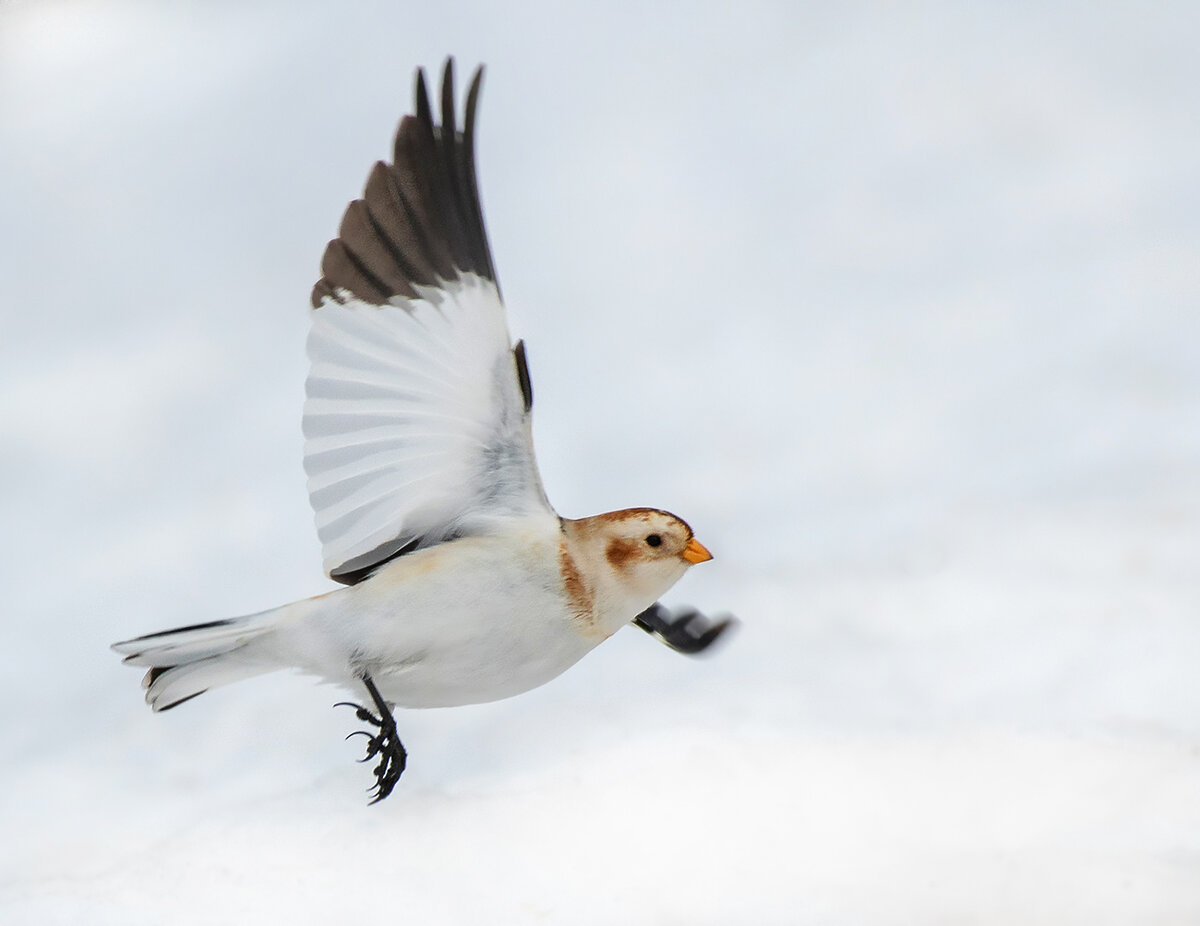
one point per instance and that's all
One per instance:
(415, 425)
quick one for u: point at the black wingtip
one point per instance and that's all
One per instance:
(475, 220)
(207, 625)
(686, 630)
(449, 117)
(523, 375)
(419, 221)
(421, 96)
(476, 82)
(175, 704)
(473, 91)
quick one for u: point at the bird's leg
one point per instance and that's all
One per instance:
(688, 631)
(385, 743)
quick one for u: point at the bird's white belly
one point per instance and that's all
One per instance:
(473, 620)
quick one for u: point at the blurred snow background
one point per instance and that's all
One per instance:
(899, 305)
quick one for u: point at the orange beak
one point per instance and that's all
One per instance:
(694, 552)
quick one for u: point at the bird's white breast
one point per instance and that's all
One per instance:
(476, 619)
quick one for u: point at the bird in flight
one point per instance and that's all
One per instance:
(462, 584)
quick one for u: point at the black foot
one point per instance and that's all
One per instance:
(385, 743)
(687, 631)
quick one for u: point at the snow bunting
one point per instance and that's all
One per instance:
(462, 584)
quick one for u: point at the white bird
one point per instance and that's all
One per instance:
(462, 584)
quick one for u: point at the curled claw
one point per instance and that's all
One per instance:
(372, 743)
(385, 743)
(361, 713)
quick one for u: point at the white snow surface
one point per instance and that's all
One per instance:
(897, 305)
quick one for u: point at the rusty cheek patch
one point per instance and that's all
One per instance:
(620, 552)
(580, 599)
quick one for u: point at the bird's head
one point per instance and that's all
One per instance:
(630, 558)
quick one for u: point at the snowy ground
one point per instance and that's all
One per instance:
(899, 306)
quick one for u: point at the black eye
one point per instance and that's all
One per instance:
(654, 540)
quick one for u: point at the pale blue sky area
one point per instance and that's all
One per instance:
(897, 305)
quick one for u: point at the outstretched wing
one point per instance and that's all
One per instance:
(417, 418)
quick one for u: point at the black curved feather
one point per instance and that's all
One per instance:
(420, 221)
